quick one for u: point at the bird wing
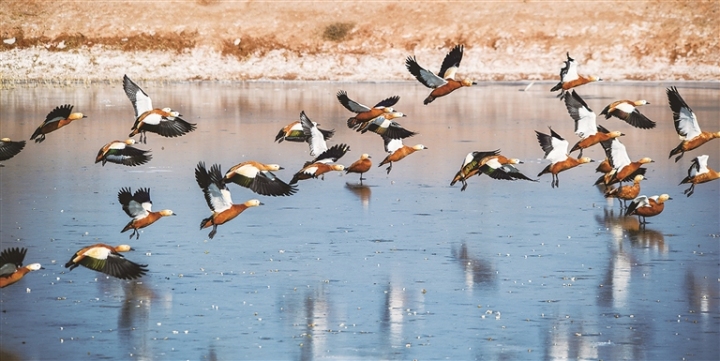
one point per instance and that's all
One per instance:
(451, 63)
(350, 104)
(391, 145)
(423, 75)
(315, 140)
(585, 118)
(139, 99)
(686, 123)
(9, 149)
(58, 114)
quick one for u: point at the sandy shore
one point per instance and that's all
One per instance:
(355, 41)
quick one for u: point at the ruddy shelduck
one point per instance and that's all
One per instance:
(627, 110)
(56, 119)
(108, 260)
(259, 178)
(322, 164)
(471, 166)
(627, 192)
(569, 77)
(165, 122)
(386, 126)
(293, 132)
(398, 151)
(139, 207)
(586, 126)
(555, 148)
(698, 173)
(360, 166)
(686, 125)
(123, 152)
(363, 112)
(218, 198)
(444, 82)
(498, 168)
(10, 148)
(11, 266)
(623, 169)
(644, 206)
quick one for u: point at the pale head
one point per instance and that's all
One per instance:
(663, 197)
(167, 212)
(593, 78)
(638, 178)
(253, 203)
(584, 160)
(5, 140)
(514, 161)
(640, 102)
(130, 141)
(34, 266)
(466, 82)
(123, 248)
(75, 116)
(393, 115)
(419, 147)
(338, 167)
(273, 167)
(615, 134)
(645, 160)
(365, 156)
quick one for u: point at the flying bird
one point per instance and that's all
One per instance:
(122, 152)
(165, 122)
(11, 266)
(56, 119)
(138, 206)
(569, 78)
(363, 112)
(442, 83)
(686, 125)
(107, 259)
(698, 173)
(259, 178)
(555, 148)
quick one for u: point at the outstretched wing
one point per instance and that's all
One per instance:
(423, 75)
(139, 99)
(451, 63)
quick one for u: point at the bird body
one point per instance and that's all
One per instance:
(122, 152)
(363, 112)
(644, 206)
(218, 198)
(139, 207)
(686, 125)
(259, 178)
(444, 82)
(11, 266)
(398, 151)
(56, 119)
(699, 173)
(586, 126)
(569, 78)
(360, 166)
(626, 192)
(107, 259)
(627, 110)
(163, 121)
(555, 148)
(293, 132)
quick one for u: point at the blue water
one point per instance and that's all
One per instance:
(406, 268)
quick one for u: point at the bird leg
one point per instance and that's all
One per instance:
(389, 168)
(212, 233)
(690, 190)
(464, 185)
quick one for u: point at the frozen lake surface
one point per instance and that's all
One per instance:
(407, 267)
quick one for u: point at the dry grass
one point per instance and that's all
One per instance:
(174, 42)
(337, 32)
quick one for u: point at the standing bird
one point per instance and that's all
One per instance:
(139, 207)
(56, 119)
(363, 112)
(699, 172)
(384, 125)
(397, 151)
(259, 178)
(361, 166)
(218, 198)
(569, 78)
(627, 192)
(627, 110)
(686, 125)
(11, 268)
(10, 148)
(122, 152)
(165, 122)
(586, 127)
(644, 206)
(107, 259)
(444, 82)
(322, 164)
(293, 132)
(555, 148)
(315, 138)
